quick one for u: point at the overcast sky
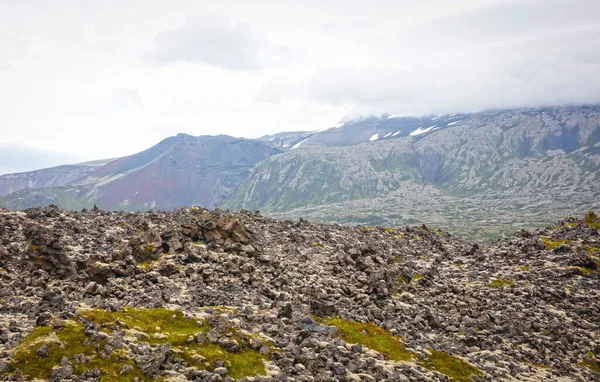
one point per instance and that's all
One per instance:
(97, 79)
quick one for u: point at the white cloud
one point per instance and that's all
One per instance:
(215, 40)
(127, 99)
(76, 82)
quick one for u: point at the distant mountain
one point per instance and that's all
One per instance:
(474, 174)
(48, 177)
(179, 171)
(287, 140)
(363, 130)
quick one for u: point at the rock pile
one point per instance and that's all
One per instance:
(212, 296)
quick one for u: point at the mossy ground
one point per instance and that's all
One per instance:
(382, 341)
(550, 245)
(593, 366)
(244, 363)
(161, 325)
(499, 283)
(592, 220)
(452, 366)
(68, 341)
(372, 336)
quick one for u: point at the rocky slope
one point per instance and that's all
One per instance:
(480, 175)
(179, 171)
(48, 177)
(209, 295)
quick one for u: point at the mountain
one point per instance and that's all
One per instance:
(474, 177)
(287, 140)
(199, 295)
(48, 177)
(363, 130)
(181, 170)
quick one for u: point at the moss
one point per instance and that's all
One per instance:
(245, 363)
(593, 366)
(67, 342)
(584, 270)
(147, 265)
(418, 276)
(524, 267)
(552, 244)
(320, 245)
(35, 248)
(499, 283)
(162, 325)
(372, 336)
(539, 366)
(571, 225)
(592, 220)
(452, 366)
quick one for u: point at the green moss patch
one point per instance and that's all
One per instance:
(161, 325)
(550, 245)
(499, 283)
(592, 220)
(67, 342)
(593, 366)
(452, 366)
(418, 276)
(245, 363)
(372, 336)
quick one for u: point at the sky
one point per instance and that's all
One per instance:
(99, 79)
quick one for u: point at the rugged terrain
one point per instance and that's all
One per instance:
(482, 176)
(207, 295)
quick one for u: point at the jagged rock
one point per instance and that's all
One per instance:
(44, 319)
(64, 371)
(322, 309)
(149, 361)
(42, 352)
(168, 268)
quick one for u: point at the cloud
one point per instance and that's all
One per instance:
(19, 158)
(127, 99)
(494, 57)
(215, 40)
